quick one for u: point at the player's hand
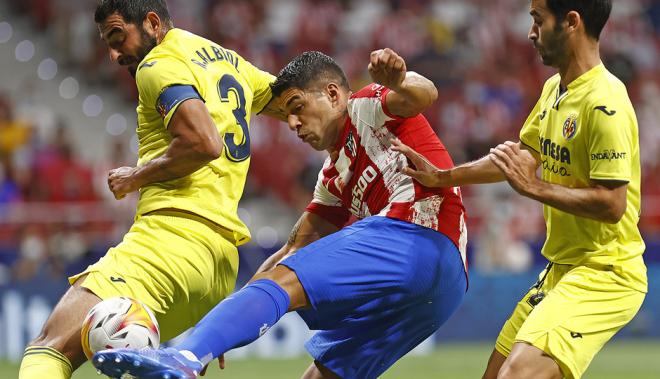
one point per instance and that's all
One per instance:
(424, 171)
(122, 182)
(221, 363)
(518, 165)
(387, 68)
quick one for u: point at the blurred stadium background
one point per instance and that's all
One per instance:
(67, 116)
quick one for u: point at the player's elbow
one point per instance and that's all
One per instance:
(213, 152)
(209, 149)
(429, 96)
(419, 94)
(417, 106)
(610, 201)
(430, 90)
(614, 213)
(432, 94)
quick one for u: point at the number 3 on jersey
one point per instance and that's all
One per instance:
(234, 152)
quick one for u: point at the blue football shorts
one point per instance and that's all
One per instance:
(378, 288)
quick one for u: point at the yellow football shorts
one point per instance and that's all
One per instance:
(178, 264)
(570, 314)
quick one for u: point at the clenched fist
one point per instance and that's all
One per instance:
(387, 68)
(121, 181)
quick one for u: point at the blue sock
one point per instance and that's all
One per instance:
(238, 320)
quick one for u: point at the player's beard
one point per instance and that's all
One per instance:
(147, 43)
(553, 50)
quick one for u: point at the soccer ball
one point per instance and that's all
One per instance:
(119, 322)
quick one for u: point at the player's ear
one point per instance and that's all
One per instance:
(333, 93)
(152, 23)
(573, 21)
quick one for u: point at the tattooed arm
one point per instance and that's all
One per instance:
(309, 228)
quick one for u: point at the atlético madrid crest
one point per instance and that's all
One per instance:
(570, 127)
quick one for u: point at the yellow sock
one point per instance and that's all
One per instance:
(41, 362)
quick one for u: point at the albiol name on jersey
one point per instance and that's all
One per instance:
(219, 54)
(368, 176)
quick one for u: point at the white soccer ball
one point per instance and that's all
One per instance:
(119, 322)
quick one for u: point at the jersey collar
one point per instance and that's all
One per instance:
(342, 138)
(587, 76)
(172, 33)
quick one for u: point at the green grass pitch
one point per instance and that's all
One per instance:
(618, 360)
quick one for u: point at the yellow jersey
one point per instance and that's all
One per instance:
(185, 66)
(589, 131)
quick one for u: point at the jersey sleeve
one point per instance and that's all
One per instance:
(326, 205)
(164, 84)
(529, 134)
(369, 106)
(259, 82)
(610, 142)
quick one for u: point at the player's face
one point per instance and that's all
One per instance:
(315, 115)
(128, 43)
(547, 35)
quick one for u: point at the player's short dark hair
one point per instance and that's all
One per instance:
(307, 69)
(594, 13)
(133, 11)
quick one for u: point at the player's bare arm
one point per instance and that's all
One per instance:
(476, 172)
(309, 228)
(195, 142)
(604, 201)
(411, 93)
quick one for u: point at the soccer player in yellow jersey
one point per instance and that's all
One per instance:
(583, 134)
(180, 256)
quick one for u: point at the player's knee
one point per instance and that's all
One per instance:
(41, 340)
(289, 282)
(44, 339)
(67, 342)
(48, 337)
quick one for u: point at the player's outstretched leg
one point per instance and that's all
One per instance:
(57, 351)
(234, 322)
(147, 364)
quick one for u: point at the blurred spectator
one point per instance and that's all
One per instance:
(32, 252)
(9, 189)
(234, 24)
(59, 175)
(13, 133)
(68, 245)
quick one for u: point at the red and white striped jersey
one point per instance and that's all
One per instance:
(364, 177)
